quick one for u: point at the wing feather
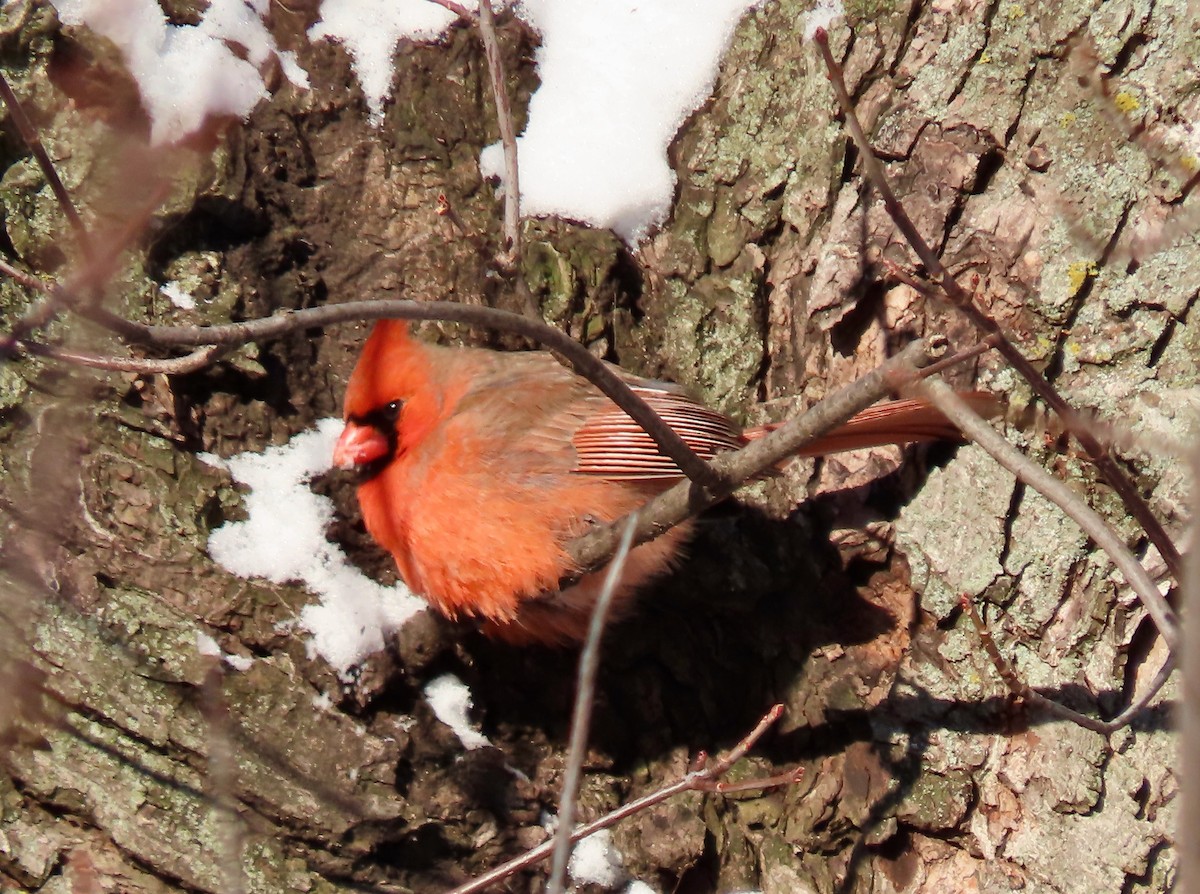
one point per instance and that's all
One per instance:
(612, 445)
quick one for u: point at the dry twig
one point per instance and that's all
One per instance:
(581, 716)
(31, 139)
(457, 8)
(704, 777)
(171, 366)
(686, 499)
(1058, 493)
(1189, 713)
(1023, 691)
(508, 135)
(285, 322)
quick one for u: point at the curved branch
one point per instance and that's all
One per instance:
(581, 360)
(1058, 493)
(171, 366)
(703, 777)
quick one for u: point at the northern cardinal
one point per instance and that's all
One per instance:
(478, 467)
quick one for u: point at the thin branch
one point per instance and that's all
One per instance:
(961, 357)
(1108, 467)
(31, 138)
(1062, 496)
(221, 779)
(1022, 690)
(35, 319)
(67, 296)
(456, 8)
(56, 298)
(1136, 707)
(699, 779)
(285, 322)
(1189, 712)
(28, 280)
(508, 135)
(172, 366)
(446, 210)
(1018, 687)
(685, 499)
(581, 718)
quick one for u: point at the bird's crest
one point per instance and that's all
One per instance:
(395, 378)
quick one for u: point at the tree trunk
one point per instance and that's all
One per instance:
(135, 762)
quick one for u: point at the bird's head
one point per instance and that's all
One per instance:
(391, 402)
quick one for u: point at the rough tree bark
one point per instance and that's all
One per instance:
(133, 763)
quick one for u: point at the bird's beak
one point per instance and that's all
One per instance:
(359, 445)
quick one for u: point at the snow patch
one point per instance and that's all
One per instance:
(618, 80)
(283, 539)
(187, 73)
(450, 700)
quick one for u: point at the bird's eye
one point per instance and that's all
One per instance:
(392, 410)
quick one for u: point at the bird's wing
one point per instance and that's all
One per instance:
(551, 417)
(610, 444)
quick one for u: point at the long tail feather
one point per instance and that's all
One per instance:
(895, 422)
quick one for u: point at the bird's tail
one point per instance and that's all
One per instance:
(894, 422)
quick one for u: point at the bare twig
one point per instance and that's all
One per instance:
(581, 717)
(171, 366)
(701, 778)
(35, 319)
(1136, 707)
(1189, 711)
(685, 500)
(28, 280)
(221, 780)
(30, 135)
(1058, 493)
(1008, 674)
(961, 357)
(67, 296)
(508, 135)
(1115, 476)
(456, 8)
(1023, 691)
(580, 359)
(447, 210)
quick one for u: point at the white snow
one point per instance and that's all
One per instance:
(596, 861)
(822, 16)
(450, 700)
(177, 295)
(618, 80)
(637, 886)
(206, 645)
(284, 539)
(187, 73)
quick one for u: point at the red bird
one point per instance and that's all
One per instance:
(479, 466)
